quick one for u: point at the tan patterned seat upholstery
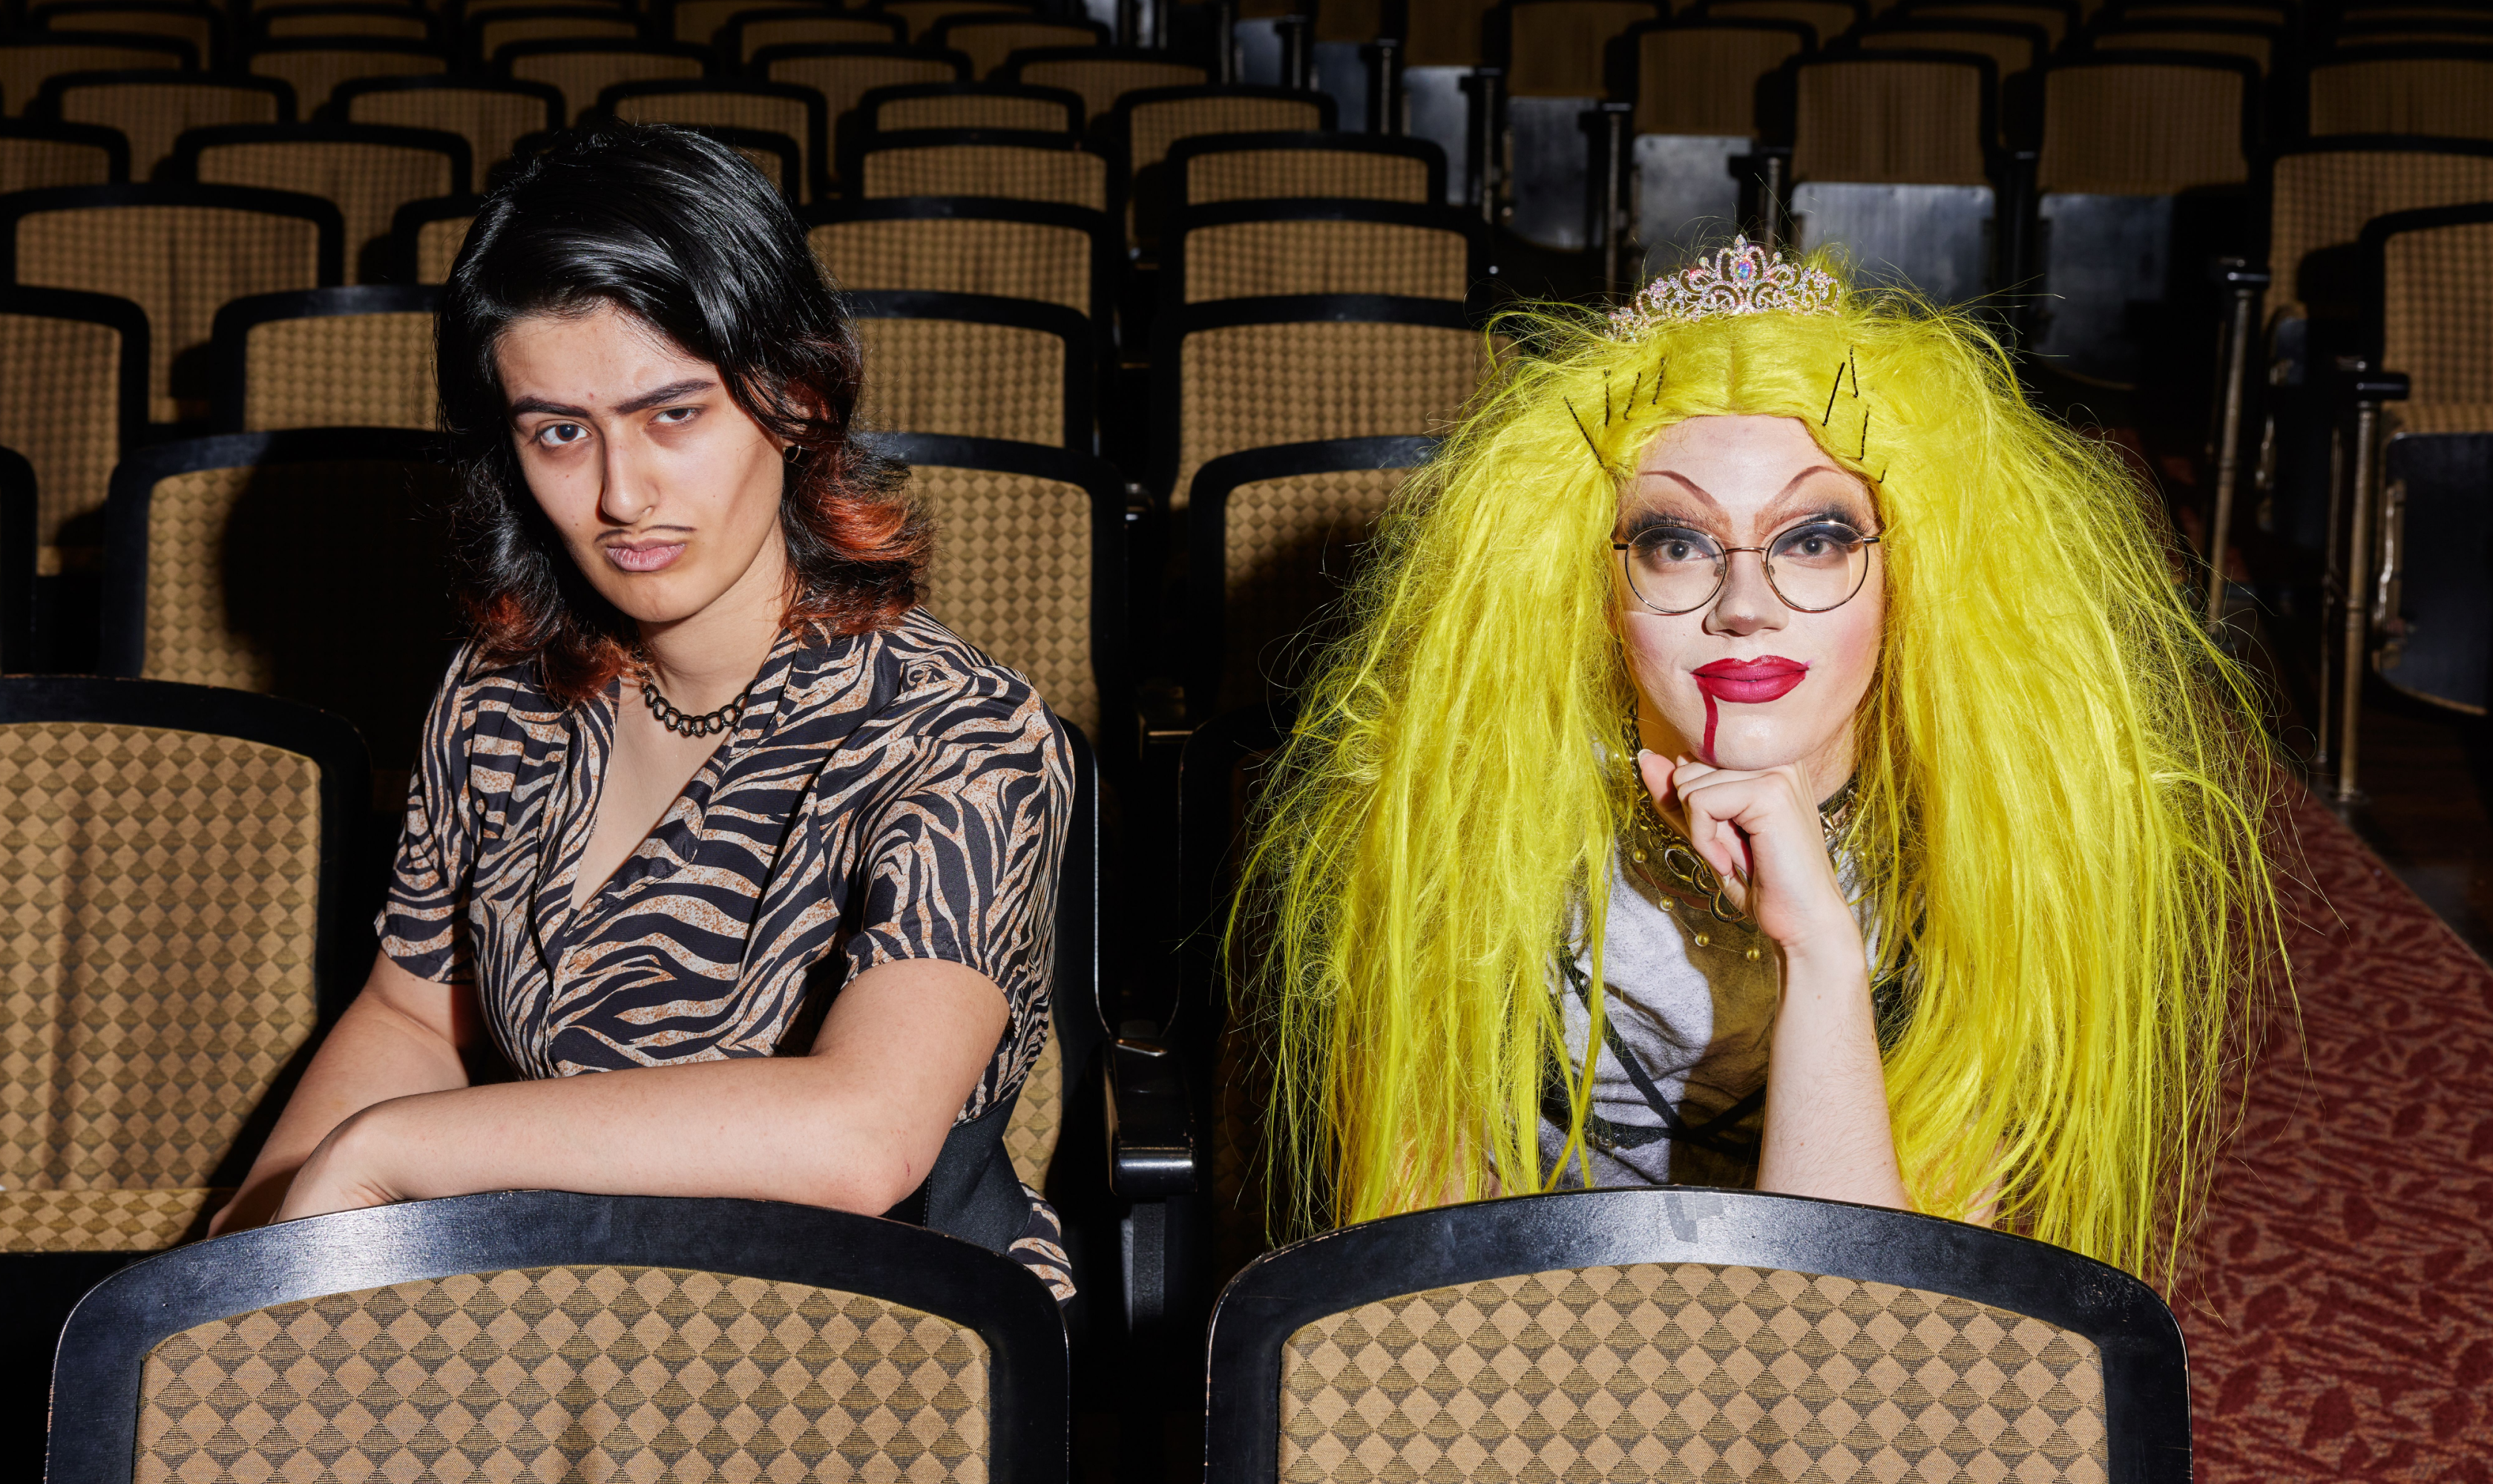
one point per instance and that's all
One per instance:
(2053, 18)
(1555, 48)
(2320, 198)
(1037, 171)
(26, 63)
(366, 170)
(242, 588)
(843, 73)
(1446, 33)
(152, 112)
(164, 966)
(2255, 44)
(919, 14)
(696, 21)
(2394, 92)
(1827, 19)
(330, 358)
(426, 238)
(1703, 80)
(33, 156)
(198, 26)
(490, 32)
(179, 253)
(1241, 380)
(969, 106)
(2141, 129)
(489, 115)
(313, 67)
(1259, 250)
(767, 107)
(1101, 76)
(281, 23)
(73, 396)
(1894, 121)
(2013, 49)
(580, 71)
(988, 40)
(756, 27)
(973, 367)
(1269, 166)
(1146, 123)
(2437, 325)
(1050, 254)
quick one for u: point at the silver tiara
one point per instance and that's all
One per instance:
(1739, 280)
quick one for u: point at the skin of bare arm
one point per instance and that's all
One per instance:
(1744, 779)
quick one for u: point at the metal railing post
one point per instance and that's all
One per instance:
(2244, 283)
(1297, 34)
(2370, 387)
(1486, 87)
(1612, 194)
(1771, 173)
(1383, 59)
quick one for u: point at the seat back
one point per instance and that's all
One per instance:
(753, 28)
(1145, 124)
(178, 252)
(1101, 74)
(285, 22)
(1014, 250)
(73, 396)
(1702, 78)
(2154, 125)
(1826, 19)
(2057, 20)
(1557, 48)
(580, 71)
(1673, 1331)
(314, 66)
(1263, 167)
(366, 170)
(2319, 197)
(356, 357)
(2427, 317)
(28, 61)
(491, 113)
(978, 162)
(616, 1327)
(843, 73)
(970, 105)
(490, 33)
(198, 26)
(183, 856)
(973, 366)
(222, 569)
(769, 108)
(1249, 250)
(919, 15)
(2014, 49)
(36, 153)
(988, 40)
(2445, 91)
(1446, 33)
(2258, 45)
(697, 22)
(426, 238)
(1359, 366)
(152, 108)
(1277, 534)
(1909, 118)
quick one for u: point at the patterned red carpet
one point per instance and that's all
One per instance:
(2341, 1317)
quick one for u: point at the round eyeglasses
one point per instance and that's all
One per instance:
(1812, 567)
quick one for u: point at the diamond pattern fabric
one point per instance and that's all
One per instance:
(569, 1373)
(1245, 260)
(1689, 1371)
(496, 32)
(156, 966)
(1012, 575)
(1290, 545)
(180, 264)
(1105, 79)
(340, 371)
(1251, 174)
(1070, 177)
(1155, 126)
(1705, 82)
(972, 111)
(104, 1221)
(954, 375)
(842, 81)
(2322, 198)
(28, 165)
(315, 72)
(60, 405)
(436, 248)
(1253, 385)
(987, 46)
(152, 115)
(960, 255)
(581, 75)
(1037, 1117)
(25, 65)
(368, 182)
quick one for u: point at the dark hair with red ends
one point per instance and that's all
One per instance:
(680, 233)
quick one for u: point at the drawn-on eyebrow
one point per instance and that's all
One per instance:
(673, 391)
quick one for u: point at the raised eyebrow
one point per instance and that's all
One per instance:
(657, 396)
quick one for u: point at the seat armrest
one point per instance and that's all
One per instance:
(1151, 1141)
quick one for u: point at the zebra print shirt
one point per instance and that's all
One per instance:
(892, 795)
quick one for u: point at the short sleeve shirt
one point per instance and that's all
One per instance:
(889, 796)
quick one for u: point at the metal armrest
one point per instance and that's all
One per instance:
(1151, 1139)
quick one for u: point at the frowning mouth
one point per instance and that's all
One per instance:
(643, 555)
(1750, 681)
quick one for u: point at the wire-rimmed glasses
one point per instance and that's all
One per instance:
(1813, 566)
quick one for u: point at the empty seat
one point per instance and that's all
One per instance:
(580, 71)
(1276, 536)
(1826, 19)
(1696, 85)
(2426, 319)
(327, 358)
(988, 40)
(753, 28)
(1241, 373)
(28, 60)
(1556, 58)
(182, 19)
(225, 568)
(920, 15)
(188, 860)
(970, 105)
(2058, 19)
(2260, 44)
(2015, 47)
(1264, 166)
(491, 113)
(426, 236)
(314, 66)
(1260, 249)
(888, 1351)
(179, 252)
(772, 108)
(945, 244)
(490, 33)
(780, 158)
(329, 18)
(366, 170)
(1891, 160)
(152, 109)
(1139, 131)
(40, 152)
(1101, 74)
(696, 21)
(974, 365)
(977, 162)
(2442, 90)
(842, 73)
(73, 400)
(1031, 564)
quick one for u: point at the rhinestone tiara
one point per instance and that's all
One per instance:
(1739, 280)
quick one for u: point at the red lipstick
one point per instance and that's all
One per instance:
(1750, 681)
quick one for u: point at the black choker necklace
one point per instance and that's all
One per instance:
(706, 724)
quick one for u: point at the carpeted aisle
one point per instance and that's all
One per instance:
(2340, 1318)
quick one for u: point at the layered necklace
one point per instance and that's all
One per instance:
(1663, 857)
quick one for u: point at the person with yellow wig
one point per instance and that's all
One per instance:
(1767, 750)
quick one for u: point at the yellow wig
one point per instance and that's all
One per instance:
(2062, 789)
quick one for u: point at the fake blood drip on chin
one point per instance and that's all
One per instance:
(1710, 717)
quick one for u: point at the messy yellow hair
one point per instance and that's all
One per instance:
(2062, 789)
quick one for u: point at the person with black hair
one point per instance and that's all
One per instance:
(707, 803)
